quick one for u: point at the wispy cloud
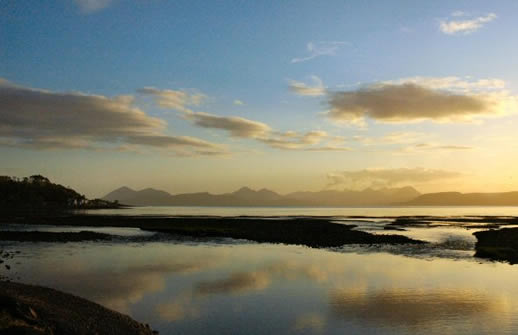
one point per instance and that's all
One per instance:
(300, 88)
(90, 6)
(466, 26)
(315, 140)
(171, 99)
(392, 138)
(426, 146)
(238, 102)
(239, 127)
(317, 49)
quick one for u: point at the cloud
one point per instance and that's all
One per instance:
(236, 126)
(304, 142)
(90, 6)
(413, 102)
(388, 177)
(398, 137)
(454, 26)
(300, 88)
(171, 141)
(260, 279)
(420, 147)
(41, 119)
(238, 102)
(317, 49)
(171, 99)
(454, 83)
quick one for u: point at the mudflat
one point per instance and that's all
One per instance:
(309, 231)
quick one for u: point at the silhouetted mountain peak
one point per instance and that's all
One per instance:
(121, 194)
(244, 191)
(124, 189)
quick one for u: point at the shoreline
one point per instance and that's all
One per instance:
(29, 309)
(311, 232)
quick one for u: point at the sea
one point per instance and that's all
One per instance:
(227, 286)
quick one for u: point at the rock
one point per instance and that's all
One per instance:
(499, 245)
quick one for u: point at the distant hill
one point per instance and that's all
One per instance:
(247, 197)
(465, 199)
(367, 197)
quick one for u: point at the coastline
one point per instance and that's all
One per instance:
(317, 232)
(29, 309)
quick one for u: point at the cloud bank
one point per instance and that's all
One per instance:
(42, 119)
(413, 102)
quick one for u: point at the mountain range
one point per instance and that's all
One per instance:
(404, 196)
(264, 197)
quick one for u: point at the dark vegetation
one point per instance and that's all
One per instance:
(498, 245)
(27, 309)
(38, 194)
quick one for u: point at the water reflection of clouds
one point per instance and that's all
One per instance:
(410, 308)
(311, 321)
(119, 290)
(260, 279)
(111, 278)
(181, 308)
(366, 289)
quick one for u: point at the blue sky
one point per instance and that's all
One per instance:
(258, 61)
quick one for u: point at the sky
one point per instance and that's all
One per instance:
(190, 96)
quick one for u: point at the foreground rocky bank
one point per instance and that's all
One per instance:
(27, 309)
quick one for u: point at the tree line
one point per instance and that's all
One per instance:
(39, 193)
